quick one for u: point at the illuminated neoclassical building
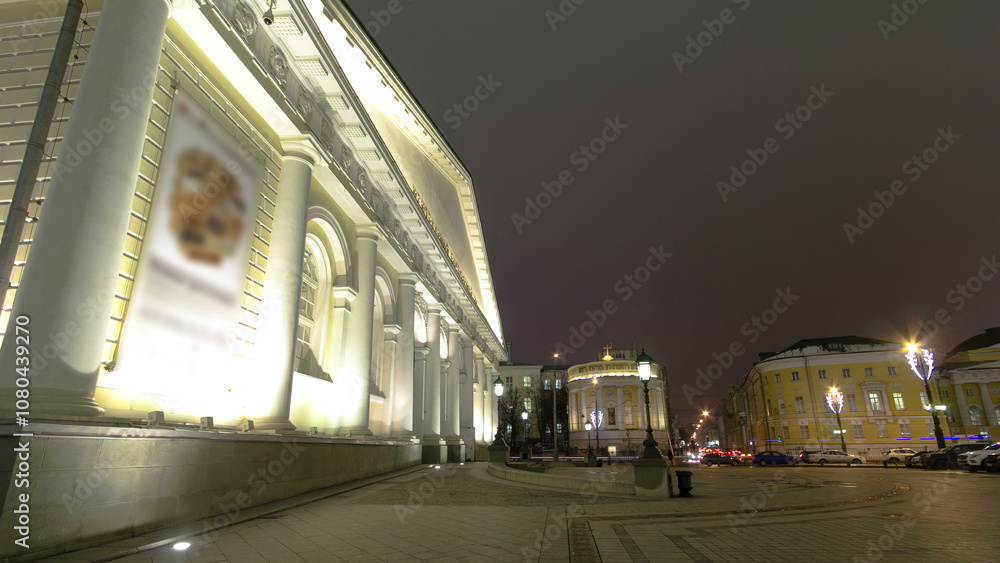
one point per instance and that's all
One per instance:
(252, 238)
(610, 393)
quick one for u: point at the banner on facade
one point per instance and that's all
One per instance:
(181, 322)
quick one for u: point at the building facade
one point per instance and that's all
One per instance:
(609, 393)
(969, 383)
(782, 402)
(245, 233)
(535, 387)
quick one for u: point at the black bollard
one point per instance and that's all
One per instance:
(684, 483)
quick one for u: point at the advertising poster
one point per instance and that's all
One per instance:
(179, 330)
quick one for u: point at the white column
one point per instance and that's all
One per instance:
(390, 361)
(479, 412)
(432, 377)
(274, 350)
(352, 383)
(453, 407)
(466, 414)
(419, 368)
(402, 394)
(989, 416)
(67, 289)
(443, 396)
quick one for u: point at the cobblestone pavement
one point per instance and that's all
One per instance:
(460, 513)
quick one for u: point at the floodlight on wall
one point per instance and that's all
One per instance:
(269, 14)
(154, 419)
(246, 425)
(207, 423)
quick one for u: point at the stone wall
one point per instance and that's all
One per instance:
(86, 490)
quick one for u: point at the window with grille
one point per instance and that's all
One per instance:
(307, 312)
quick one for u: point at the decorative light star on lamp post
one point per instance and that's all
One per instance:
(645, 363)
(835, 399)
(921, 361)
(498, 391)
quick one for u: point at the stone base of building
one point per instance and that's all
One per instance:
(456, 449)
(433, 450)
(652, 478)
(92, 485)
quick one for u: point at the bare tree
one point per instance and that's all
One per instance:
(510, 407)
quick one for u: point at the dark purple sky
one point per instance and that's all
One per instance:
(656, 183)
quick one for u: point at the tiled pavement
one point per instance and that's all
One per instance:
(460, 513)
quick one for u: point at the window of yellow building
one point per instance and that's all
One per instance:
(897, 401)
(822, 374)
(846, 372)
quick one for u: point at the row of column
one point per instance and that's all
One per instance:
(76, 253)
(580, 408)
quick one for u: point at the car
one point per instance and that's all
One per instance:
(804, 455)
(720, 459)
(773, 458)
(992, 462)
(918, 459)
(834, 456)
(948, 457)
(976, 459)
(897, 455)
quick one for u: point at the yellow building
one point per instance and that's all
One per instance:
(970, 385)
(781, 403)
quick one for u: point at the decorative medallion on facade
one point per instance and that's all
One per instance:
(346, 159)
(326, 135)
(896, 385)
(304, 103)
(849, 386)
(363, 180)
(779, 390)
(278, 66)
(244, 21)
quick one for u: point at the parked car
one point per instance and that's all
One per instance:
(948, 457)
(992, 462)
(720, 459)
(804, 455)
(918, 459)
(833, 456)
(897, 455)
(976, 459)
(773, 458)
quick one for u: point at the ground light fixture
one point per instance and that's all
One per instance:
(645, 363)
(498, 391)
(921, 361)
(835, 400)
(181, 546)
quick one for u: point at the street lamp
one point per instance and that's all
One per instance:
(524, 419)
(835, 399)
(498, 391)
(588, 426)
(922, 363)
(644, 363)
(597, 418)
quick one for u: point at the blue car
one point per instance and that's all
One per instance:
(773, 458)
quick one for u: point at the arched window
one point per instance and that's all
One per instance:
(976, 415)
(305, 359)
(314, 314)
(378, 343)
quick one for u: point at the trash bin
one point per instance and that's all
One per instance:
(684, 483)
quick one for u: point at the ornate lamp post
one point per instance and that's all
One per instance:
(922, 363)
(644, 363)
(597, 418)
(588, 426)
(498, 391)
(835, 399)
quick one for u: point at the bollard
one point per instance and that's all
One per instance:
(684, 483)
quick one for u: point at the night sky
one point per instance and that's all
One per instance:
(838, 103)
